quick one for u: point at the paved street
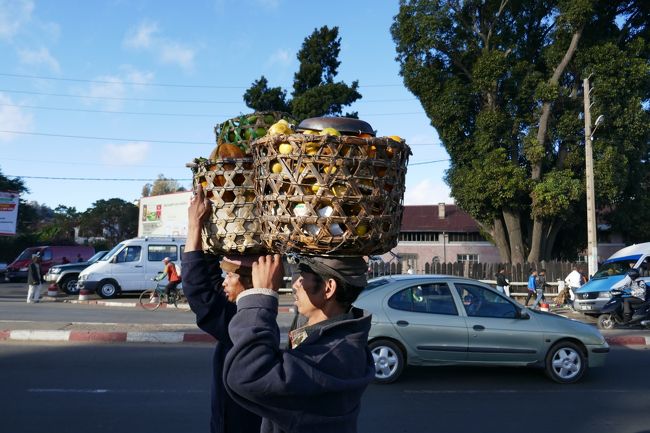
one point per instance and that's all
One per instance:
(165, 388)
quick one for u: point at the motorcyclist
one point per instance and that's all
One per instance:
(637, 294)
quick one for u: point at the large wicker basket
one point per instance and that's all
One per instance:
(234, 225)
(334, 195)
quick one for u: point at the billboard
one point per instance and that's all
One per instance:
(8, 213)
(164, 215)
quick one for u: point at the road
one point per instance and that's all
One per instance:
(76, 388)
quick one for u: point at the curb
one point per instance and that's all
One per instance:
(182, 306)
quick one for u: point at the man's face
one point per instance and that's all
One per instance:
(232, 286)
(308, 293)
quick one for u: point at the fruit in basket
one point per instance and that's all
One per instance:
(395, 138)
(311, 148)
(365, 135)
(339, 190)
(276, 167)
(330, 169)
(285, 148)
(280, 127)
(361, 229)
(310, 132)
(227, 150)
(330, 131)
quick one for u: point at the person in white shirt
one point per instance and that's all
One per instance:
(573, 282)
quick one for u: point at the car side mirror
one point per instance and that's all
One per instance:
(114, 259)
(522, 314)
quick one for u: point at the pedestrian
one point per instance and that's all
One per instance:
(573, 282)
(64, 260)
(502, 282)
(173, 278)
(79, 258)
(531, 285)
(211, 298)
(316, 384)
(409, 270)
(540, 284)
(34, 280)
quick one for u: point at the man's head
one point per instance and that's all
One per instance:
(166, 260)
(533, 272)
(542, 272)
(238, 270)
(328, 284)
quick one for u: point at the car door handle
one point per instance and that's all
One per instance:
(478, 327)
(138, 266)
(402, 323)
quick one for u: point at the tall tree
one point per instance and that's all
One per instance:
(113, 219)
(315, 93)
(501, 81)
(161, 186)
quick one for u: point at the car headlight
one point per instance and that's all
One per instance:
(83, 277)
(23, 269)
(55, 270)
(605, 295)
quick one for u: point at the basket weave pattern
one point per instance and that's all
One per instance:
(234, 225)
(328, 194)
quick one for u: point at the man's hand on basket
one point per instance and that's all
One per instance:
(268, 272)
(198, 210)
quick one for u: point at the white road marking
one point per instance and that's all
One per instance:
(112, 391)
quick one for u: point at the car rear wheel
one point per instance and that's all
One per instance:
(107, 289)
(69, 284)
(565, 362)
(389, 360)
(606, 321)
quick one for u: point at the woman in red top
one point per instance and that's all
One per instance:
(172, 275)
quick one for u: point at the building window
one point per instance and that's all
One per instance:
(466, 237)
(418, 237)
(471, 258)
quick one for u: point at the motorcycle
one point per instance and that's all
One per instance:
(612, 312)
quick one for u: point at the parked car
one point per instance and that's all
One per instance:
(3, 272)
(50, 256)
(65, 276)
(130, 266)
(591, 297)
(446, 320)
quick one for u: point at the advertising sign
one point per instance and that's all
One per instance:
(164, 215)
(8, 213)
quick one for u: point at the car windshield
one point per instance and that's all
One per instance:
(27, 254)
(619, 267)
(112, 252)
(98, 256)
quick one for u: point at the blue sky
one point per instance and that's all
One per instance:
(145, 81)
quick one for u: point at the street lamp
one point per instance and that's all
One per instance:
(592, 240)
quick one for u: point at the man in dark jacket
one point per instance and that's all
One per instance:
(34, 280)
(203, 287)
(316, 385)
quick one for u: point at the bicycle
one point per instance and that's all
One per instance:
(151, 299)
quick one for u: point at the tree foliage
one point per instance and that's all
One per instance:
(501, 81)
(161, 186)
(315, 93)
(113, 219)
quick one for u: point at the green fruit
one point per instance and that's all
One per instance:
(269, 119)
(231, 137)
(247, 134)
(260, 132)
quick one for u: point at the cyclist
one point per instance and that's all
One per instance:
(171, 274)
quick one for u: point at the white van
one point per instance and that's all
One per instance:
(591, 297)
(130, 266)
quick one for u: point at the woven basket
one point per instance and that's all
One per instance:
(242, 130)
(330, 195)
(234, 225)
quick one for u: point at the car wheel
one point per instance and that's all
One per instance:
(389, 360)
(69, 284)
(565, 362)
(606, 321)
(107, 289)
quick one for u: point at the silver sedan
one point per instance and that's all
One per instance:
(446, 320)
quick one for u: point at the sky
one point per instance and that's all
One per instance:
(102, 96)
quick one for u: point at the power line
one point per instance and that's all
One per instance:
(191, 101)
(135, 83)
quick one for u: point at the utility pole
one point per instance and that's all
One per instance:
(592, 240)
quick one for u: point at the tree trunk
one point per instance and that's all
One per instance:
(513, 225)
(536, 241)
(500, 237)
(554, 229)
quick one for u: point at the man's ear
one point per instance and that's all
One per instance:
(330, 288)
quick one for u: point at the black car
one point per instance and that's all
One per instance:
(65, 276)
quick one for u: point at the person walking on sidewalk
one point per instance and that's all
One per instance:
(540, 285)
(531, 285)
(502, 282)
(34, 279)
(316, 384)
(211, 297)
(573, 282)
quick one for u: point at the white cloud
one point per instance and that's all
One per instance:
(126, 153)
(12, 119)
(41, 56)
(176, 53)
(115, 86)
(426, 192)
(280, 56)
(146, 37)
(13, 15)
(268, 4)
(142, 36)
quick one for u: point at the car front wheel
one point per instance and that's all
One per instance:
(107, 289)
(69, 284)
(565, 362)
(389, 360)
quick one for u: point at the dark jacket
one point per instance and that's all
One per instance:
(34, 274)
(502, 281)
(202, 286)
(315, 387)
